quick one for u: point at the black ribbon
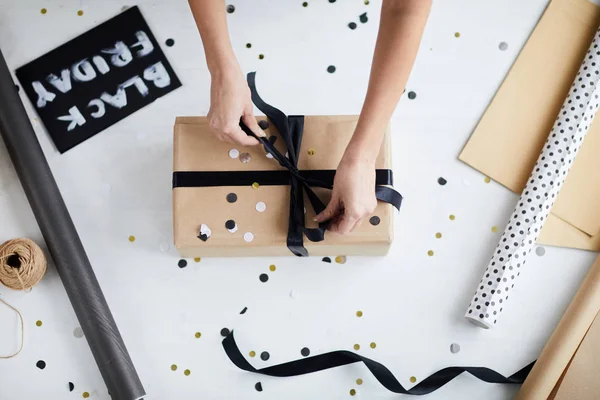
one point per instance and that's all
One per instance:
(380, 372)
(291, 129)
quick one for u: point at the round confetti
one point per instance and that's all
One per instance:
(244, 310)
(293, 294)
(359, 381)
(252, 353)
(352, 25)
(326, 259)
(248, 45)
(164, 247)
(80, 13)
(85, 395)
(38, 323)
(248, 237)
(412, 96)
(187, 372)
(305, 4)
(71, 386)
(260, 206)
(230, 224)
(132, 238)
(170, 42)
(230, 8)
(503, 46)
(197, 259)
(225, 332)
(173, 367)
(457, 35)
(245, 158)
(43, 11)
(261, 56)
(331, 69)
(352, 392)
(357, 346)
(363, 18)
(430, 253)
(234, 153)
(41, 364)
(373, 345)
(494, 229)
(18, 88)
(540, 251)
(272, 268)
(452, 217)
(258, 387)
(487, 179)
(198, 335)
(359, 313)
(78, 332)
(438, 235)
(375, 220)
(305, 352)
(264, 356)
(413, 379)
(263, 278)
(311, 152)
(340, 259)
(269, 155)
(231, 198)
(366, 2)
(441, 180)
(204, 233)
(263, 124)
(454, 348)
(255, 185)
(182, 263)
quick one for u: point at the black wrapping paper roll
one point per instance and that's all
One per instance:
(64, 244)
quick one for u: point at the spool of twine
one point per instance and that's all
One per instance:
(22, 266)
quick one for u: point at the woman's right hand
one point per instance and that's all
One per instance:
(229, 101)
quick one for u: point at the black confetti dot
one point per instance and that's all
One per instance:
(412, 95)
(170, 42)
(375, 220)
(41, 364)
(363, 18)
(230, 224)
(244, 310)
(326, 259)
(332, 1)
(203, 237)
(305, 352)
(442, 181)
(182, 263)
(352, 25)
(261, 56)
(264, 356)
(231, 197)
(18, 88)
(263, 277)
(71, 386)
(230, 8)
(248, 45)
(224, 332)
(263, 124)
(258, 387)
(331, 69)
(305, 4)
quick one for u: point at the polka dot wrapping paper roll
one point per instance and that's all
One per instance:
(540, 193)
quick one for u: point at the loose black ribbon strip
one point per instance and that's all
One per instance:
(380, 372)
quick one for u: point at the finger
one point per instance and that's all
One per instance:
(239, 137)
(346, 224)
(251, 123)
(332, 209)
(224, 138)
(357, 225)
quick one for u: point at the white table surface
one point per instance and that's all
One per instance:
(117, 184)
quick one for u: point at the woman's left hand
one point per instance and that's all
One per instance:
(353, 198)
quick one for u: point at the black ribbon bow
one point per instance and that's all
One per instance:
(380, 372)
(291, 129)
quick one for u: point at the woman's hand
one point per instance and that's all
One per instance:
(229, 101)
(353, 198)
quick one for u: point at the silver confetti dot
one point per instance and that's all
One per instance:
(164, 247)
(260, 206)
(245, 158)
(78, 332)
(234, 153)
(248, 237)
(269, 155)
(503, 46)
(454, 348)
(540, 251)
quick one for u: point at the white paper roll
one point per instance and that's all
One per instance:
(537, 199)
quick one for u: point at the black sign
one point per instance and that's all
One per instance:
(97, 79)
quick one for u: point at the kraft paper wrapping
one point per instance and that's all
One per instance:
(565, 341)
(540, 193)
(324, 142)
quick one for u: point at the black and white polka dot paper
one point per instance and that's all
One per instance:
(537, 199)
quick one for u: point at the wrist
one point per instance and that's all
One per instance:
(360, 152)
(223, 65)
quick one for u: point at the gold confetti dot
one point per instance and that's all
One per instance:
(366, 2)
(198, 335)
(373, 345)
(43, 11)
(340, 259)
(38, 323)
(255, 185)
(261, 56)
(197, 259)
(494, 229)
(352, 392)
(132, 238)
(187, 372)
(359, 313)
(438, 235)
(272, 268)
(452, 217)
(252, 353)
(487, 179)
(430, 253)
(457, 35)
(85, 395)
(359, 381)
(357, 346)
(80, 13)
(173, 367)
(311, 152)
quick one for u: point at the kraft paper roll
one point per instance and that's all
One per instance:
(565, 340)
(540, 193)
(65, 246)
